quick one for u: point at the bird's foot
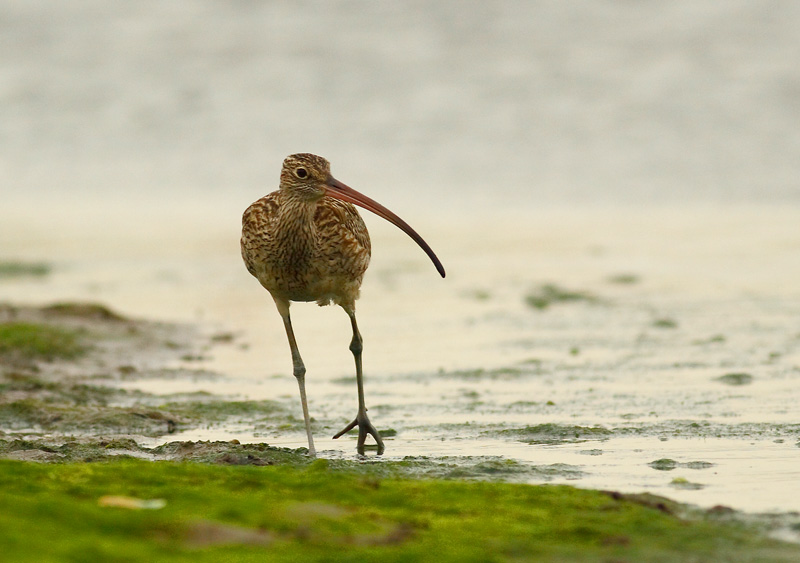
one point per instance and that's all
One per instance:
(364, 427)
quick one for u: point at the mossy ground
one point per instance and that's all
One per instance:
(27, 341)
(93, 512)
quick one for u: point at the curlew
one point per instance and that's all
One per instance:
(307, 242)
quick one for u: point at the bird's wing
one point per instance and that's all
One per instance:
(256, 226)
(343, 234)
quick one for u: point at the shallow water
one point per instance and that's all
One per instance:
(646, 155)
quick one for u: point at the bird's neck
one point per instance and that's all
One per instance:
(296, 225)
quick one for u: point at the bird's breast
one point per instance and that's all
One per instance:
(312, 253)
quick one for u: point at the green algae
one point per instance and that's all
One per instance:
(665, 322)
(31, 341)
(229, 453)
(556, 433)
(715, 339)
(623, 279)
(216, 410)
(666, 464)
(61, 365)
(104, 449)
(64, 391)
(685, 484)
(479, 294)
(549, 294)
(482, 373)
(18, 269)
(735, 379)
(94, 311)
(475, 468)
(64, 406)
(58, 418)
(550, 433)
(318, 512)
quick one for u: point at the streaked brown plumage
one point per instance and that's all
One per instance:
(307, 242)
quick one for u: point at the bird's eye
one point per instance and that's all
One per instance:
(301, 172)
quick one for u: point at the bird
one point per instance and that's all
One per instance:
(307, 242)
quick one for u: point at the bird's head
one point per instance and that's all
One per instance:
(305, 175)
(309, 176)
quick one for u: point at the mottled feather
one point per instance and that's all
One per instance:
(302, 251)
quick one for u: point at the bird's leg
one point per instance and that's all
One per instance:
(299, 370)
(362, 420)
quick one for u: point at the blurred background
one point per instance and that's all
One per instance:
(453, 104)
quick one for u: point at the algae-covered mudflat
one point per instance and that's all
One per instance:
(99, 492)
(134, 510)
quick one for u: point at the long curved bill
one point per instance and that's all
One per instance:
(335, 188)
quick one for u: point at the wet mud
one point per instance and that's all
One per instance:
(93, 388)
